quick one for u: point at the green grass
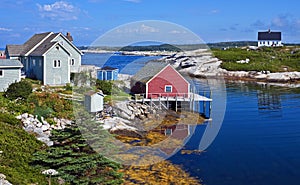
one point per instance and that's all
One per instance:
(264, 59)
(18, 148)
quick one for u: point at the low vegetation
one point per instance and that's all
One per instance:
(18, 148)
(278, 59)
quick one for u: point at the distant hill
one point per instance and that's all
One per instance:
(186, 47)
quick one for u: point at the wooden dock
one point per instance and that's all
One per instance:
(177, 101)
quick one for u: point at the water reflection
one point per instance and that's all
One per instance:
(269, 102)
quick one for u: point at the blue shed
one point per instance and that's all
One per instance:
(107, 73)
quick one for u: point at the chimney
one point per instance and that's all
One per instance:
(69, 37)
(269, 30)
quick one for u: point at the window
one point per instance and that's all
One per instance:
(40, 63)
(72, 62)
(168, 88)
(56, 63)
(1, 73)
(33, 62)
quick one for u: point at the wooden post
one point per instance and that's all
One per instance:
(176, 103)
(159, 103)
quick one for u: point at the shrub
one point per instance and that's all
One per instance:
(17, 90)
(9, 118)
(105, 86)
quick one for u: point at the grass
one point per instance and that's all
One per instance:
(264, 59)
(18, 147)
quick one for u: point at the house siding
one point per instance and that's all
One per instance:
(59, 75)
(93, 103)
(73, 54)
(10, 75)
(168, 76)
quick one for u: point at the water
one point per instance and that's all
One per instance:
(127, 64)
(259, 140)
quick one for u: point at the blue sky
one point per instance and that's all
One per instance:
(213, 21)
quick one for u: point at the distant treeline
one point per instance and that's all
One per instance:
(186, 47)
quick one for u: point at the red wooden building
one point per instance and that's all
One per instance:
(157, 79)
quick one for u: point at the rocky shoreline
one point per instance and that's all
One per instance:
(202, 64)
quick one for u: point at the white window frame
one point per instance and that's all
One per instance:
(33, 62)
(166, 88)
(72, 62)
(56, 63)
(2, 73)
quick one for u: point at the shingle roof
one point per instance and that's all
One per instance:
(14, 50)
(108, 68)
(33, 41)
(269, 35)
(44, 46)
(4, 63)
(148, 71)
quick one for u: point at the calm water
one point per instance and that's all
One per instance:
(258, 143)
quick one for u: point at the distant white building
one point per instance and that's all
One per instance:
(269, 39)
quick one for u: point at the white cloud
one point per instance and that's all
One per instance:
(142, 29)
(59, 10)
(214, 11)
(133, 1)
(150, 29)
(5, 29)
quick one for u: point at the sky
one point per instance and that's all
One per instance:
(87, 20)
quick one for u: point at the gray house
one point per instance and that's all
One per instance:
(10, 72)
(93, 101)
(49, 57)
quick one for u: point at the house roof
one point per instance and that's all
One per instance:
(33, 42)
(37, 45)
(14, 50)
(8, 63)
(108, 68)
(148, 71)
(269, 35)
(92, 92)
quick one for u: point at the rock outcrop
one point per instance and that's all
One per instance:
(3, 180)
(41, 128)
(201, 63)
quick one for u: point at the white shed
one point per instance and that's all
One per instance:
(93, 101)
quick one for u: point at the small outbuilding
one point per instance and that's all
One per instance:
(93, 101)
(10, 72)
(107, 73)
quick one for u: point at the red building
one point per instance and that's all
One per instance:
(157, 79)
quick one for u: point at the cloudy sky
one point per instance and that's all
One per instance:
(213, 21)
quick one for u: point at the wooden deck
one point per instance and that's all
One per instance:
(190, 97)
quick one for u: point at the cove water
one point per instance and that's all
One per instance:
(258, 143)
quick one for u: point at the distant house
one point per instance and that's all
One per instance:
(107, 73)
(269, 39)
(158, 79)
(10, 72)
(49, 57)
(93, 101)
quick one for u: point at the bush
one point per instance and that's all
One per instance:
(105, 86)
(9, 118)
(20, 90)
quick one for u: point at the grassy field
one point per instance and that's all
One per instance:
(264, 59)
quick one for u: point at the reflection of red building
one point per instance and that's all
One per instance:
(178, 132)
(158, 79)
(2, 55)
